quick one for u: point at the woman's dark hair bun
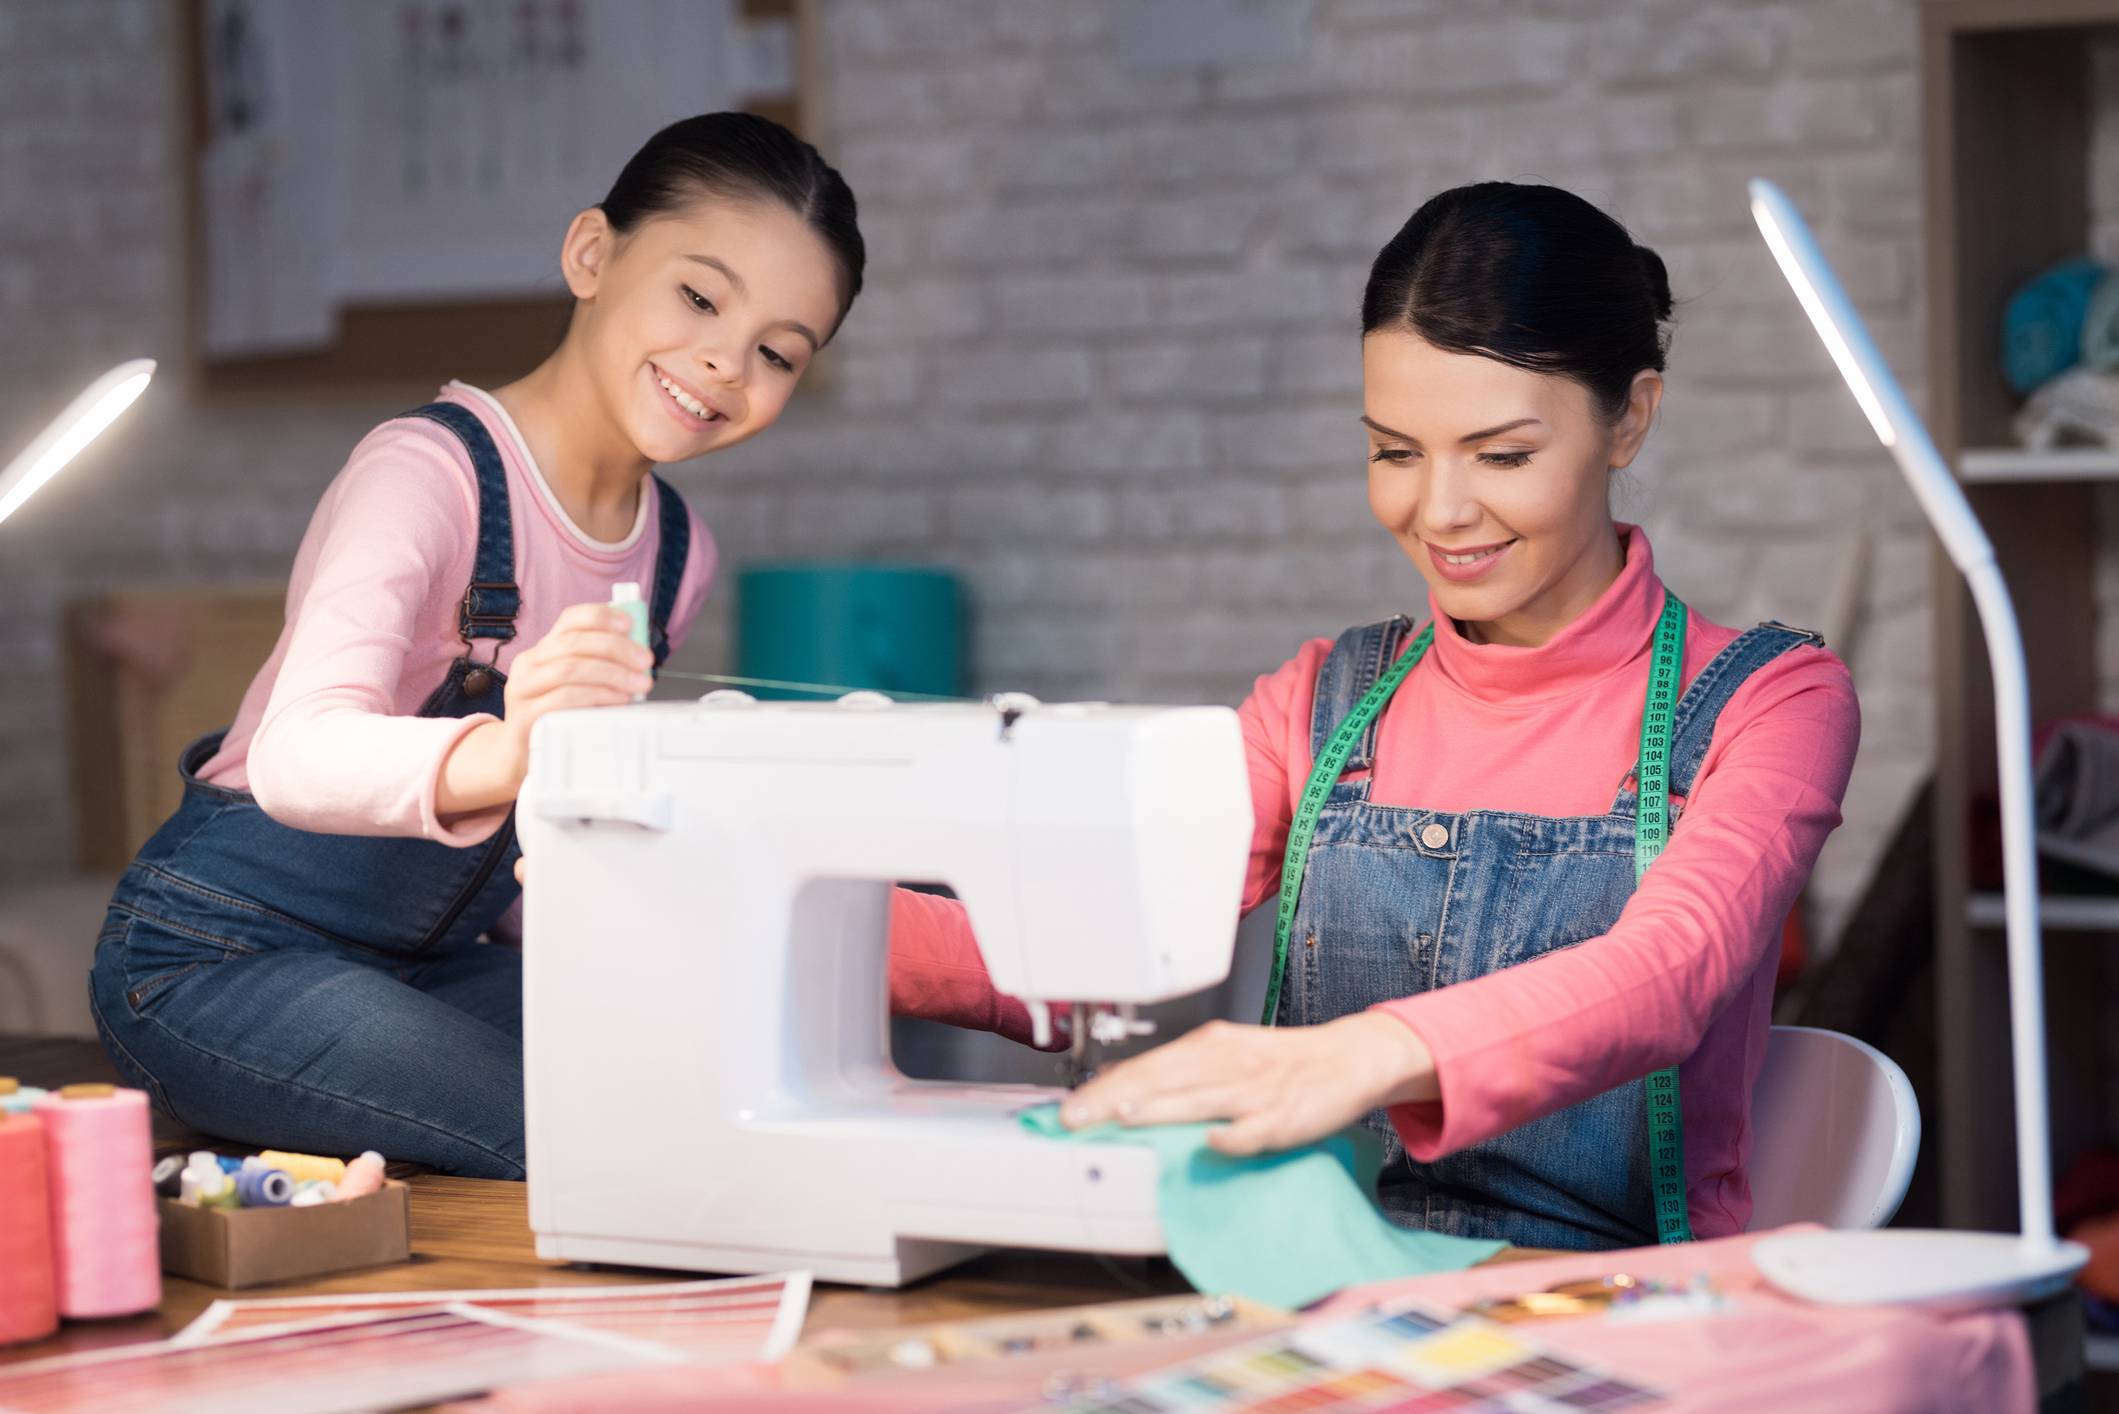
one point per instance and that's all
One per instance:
(1658, 281)
(1533, 276)
(738, 156)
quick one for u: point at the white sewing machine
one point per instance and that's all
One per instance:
(707, 1068)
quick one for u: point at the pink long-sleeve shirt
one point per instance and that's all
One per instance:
(327, 738)
(1685, 977)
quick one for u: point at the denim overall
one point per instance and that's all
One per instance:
(1397, 900)
(330, 993)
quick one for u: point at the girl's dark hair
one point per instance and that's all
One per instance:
(1532, 276)
(741, 156)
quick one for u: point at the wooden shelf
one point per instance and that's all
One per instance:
(2009, 107)
(1988, 465)
(2057, 913)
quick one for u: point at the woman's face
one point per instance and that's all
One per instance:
(698, 324)
(1493, 480)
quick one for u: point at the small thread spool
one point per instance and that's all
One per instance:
(304, 1168)
(29, 1298)
(169, 1176)
(363, 1176)
(313, 1192)
(100, 1163)
(264, 1188)
(17, 1098)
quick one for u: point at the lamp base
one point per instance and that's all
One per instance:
(1947, 1271)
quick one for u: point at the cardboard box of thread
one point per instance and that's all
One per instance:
(275, 1216)
(81, 1237)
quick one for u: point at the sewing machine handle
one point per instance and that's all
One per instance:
(649, 812)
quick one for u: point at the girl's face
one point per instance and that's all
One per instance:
(698, 324)
(1493, 480)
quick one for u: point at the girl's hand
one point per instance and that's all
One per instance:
(587, 660)
(1279, 1087)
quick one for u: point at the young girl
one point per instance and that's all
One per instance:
(1469, 962)
(296, 959)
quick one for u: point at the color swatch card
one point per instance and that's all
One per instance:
(746, 1318)
(323, 1367)
(1399, 1358)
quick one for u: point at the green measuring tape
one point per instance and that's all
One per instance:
(1666, 1130)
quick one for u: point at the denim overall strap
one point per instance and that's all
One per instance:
(492, 601)
(1357, 659)
(675, 549)
(1705, 697)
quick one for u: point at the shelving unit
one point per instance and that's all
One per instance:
(1987, 465)
(2008, 105)
(2059, 913)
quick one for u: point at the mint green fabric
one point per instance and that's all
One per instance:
(1284, 1229)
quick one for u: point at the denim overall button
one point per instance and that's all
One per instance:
(1435, 836)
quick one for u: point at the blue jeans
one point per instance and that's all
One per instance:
(243, 1019)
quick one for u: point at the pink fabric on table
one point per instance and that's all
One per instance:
(1686, 976)
(1766, 1351)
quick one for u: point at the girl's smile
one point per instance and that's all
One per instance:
(693, 408)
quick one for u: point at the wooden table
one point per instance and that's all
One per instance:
(474, 1234)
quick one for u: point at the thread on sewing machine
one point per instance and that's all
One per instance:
(814, 689)
(99, 1169)
(304, 1168)
(264, 1188)
(29, 1300)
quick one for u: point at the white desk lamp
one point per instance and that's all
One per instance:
(1953, 1270)
(84, 419)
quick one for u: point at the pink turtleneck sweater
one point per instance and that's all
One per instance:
(1685, 977)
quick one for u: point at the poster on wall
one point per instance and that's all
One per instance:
(434, 150)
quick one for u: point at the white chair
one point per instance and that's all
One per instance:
(1834, 1131)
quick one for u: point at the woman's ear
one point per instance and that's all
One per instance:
(586, 252)
(1636, 418)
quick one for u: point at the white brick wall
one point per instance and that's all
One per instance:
(1108, 363)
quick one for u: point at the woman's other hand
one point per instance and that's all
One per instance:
(1278, 1087)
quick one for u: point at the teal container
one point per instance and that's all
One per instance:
(892, 628)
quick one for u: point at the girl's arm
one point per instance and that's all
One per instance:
(1521, 1043)
(331, 754)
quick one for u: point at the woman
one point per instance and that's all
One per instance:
(1469, 960)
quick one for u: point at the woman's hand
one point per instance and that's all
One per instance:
(1279, 1087)
(587, 660)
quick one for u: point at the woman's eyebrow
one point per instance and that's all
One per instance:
(1380, 430)
(1485, 433)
